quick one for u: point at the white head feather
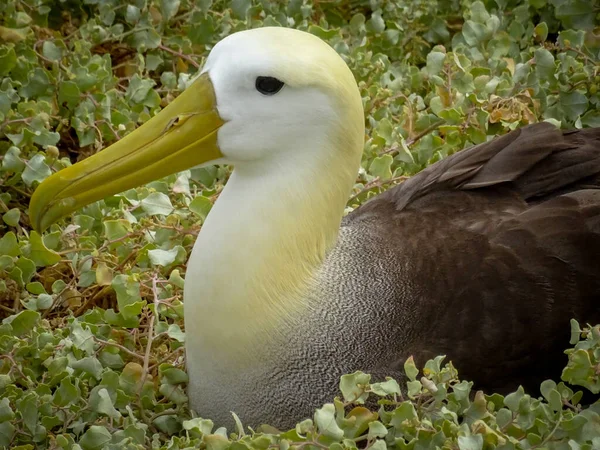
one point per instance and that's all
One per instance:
(319, 97)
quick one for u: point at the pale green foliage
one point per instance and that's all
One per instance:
(91, 345)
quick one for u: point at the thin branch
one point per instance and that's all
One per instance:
(376, 183)
(15, 365)
(410, 142)
(7, 309)
(150, 338)
(166, 358)
(119, 346)
(179, 54)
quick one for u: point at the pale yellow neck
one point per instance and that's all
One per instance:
(260, 248)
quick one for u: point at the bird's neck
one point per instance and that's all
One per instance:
(260, 248)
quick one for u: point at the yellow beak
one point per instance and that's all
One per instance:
(181, 136)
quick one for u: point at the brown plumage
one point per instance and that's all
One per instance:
(504, 240)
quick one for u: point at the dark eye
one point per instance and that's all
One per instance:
(268, 85)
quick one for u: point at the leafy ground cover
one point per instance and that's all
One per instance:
(91, 341)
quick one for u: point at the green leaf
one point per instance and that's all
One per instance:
(176, 278)
(574, 423)
(357, 23)
(58, 286)
(7, 429)
(474, 442)
(376, 24)
(541, 31)
(8, 60)
(173, 393)
(39, 253)
(591, 119)
(164, 258)
(413, 388)
(580, 370)
(435, 62)
(575, 332)
(544, 63)
(95, 438)
(6, 262)
(573, 104)
(168, 80)
(69, 93)
(157, 203)
(6, 413)
(323, 33)
(38, 84)
(66, 393)
(512, 400)
(9, 245)
(326, 423)
(52, 240)
(216, 442)
(377, 430)
(411, 369)
(139, 88)
(105, 405)
(571, 38)
(27, 408)
(240, 8)
(173, 375)
(36, 288)
(203, 26)
(153, 62)
(200, 206)
(406, 411)
(132, 14)
(478, 12)
(127, 290)
(51, 51)
(169, 8)
(353, 387)
(23, 322)
(104, 275)
(36, 170)
(474, 33)
(381, 167)
(5, 379)
(83, 338)
(12, 161)
(12, 217)
(202, 426)
(576, 14)
(116, 229)
(89, 365)
(388, 387)
(551, 394)
(144, 40)
(503, 417)
(27, 268)
(175, 332)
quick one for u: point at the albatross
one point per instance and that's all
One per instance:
(484, 256)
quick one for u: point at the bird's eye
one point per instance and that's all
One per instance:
(268, 85)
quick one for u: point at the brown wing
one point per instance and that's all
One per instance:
(504, 244)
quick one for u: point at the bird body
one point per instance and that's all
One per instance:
(468, 259)
(484, 256)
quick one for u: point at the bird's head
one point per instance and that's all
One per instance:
(264, 95)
